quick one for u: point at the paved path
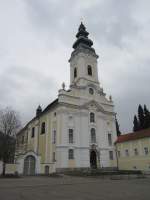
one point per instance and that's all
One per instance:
(74, 188)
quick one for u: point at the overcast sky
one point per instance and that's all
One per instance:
(36, 38)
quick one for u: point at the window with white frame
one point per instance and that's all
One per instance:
(54, 114)
(75, 72)
(22, 140)
(70, 136)
(109, 139)
(43, 128)
(92, 117)
(54, 158)
(70, 154)
(54, 137)
(89, 69)
(93, 135)
(145, 150)
(33, 132)
(91, 91)
(136, 152)
(126, 152)
(119, 154)
(111, 157)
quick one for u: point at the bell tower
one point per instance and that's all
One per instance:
(83, 61)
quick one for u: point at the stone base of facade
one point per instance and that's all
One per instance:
(84, 169)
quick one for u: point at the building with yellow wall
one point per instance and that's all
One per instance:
(133, 151)
(77, 130)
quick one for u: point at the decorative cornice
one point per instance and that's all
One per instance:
(85, 50)
(78, 79)
(76, 147)
(85, 106)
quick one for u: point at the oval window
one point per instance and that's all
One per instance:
(91, 91)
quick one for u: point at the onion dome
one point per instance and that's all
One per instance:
(82, 37)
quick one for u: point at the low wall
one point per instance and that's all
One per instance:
(139, 163)
(11, 168)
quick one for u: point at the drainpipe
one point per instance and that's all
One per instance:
(117, 156)
(37, 151)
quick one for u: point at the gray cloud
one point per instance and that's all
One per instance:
(36, 39)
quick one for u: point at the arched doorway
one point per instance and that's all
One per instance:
(29, 165)
(93, 159)
(46, 169)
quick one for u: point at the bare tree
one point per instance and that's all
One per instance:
(9, 121)
(9, 125)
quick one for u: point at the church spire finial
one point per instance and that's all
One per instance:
(82, 27)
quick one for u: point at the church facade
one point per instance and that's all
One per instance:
(77, 130)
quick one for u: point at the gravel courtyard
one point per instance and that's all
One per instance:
(74, 188)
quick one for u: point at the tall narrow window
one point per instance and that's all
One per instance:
(43, 128)
(145, 150)
(54, 114)
(70, 136)
(111, 155)
(109, 139)
(54, 159)
(75, 72)
(33, 130)
(89, 69)
(126, 152)
(93, 135)
(70, 154)
(54, 137)
(135, 152)
(22, 140)
(92, 117)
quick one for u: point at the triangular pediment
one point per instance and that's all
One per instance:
(93, 105)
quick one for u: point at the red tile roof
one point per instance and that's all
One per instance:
(134, 136)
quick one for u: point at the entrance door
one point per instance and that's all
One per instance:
(46, 169)
(93, 160)
(29, 165)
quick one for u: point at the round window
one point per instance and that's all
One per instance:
(91, 91)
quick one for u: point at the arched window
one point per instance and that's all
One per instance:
(75, 72)
(89, 69)
(29, 165)
(92, 117)
(93, 135)
(43, 128)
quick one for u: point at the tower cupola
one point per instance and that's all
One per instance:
(83, 60)
(38, 111)
(82, 37)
